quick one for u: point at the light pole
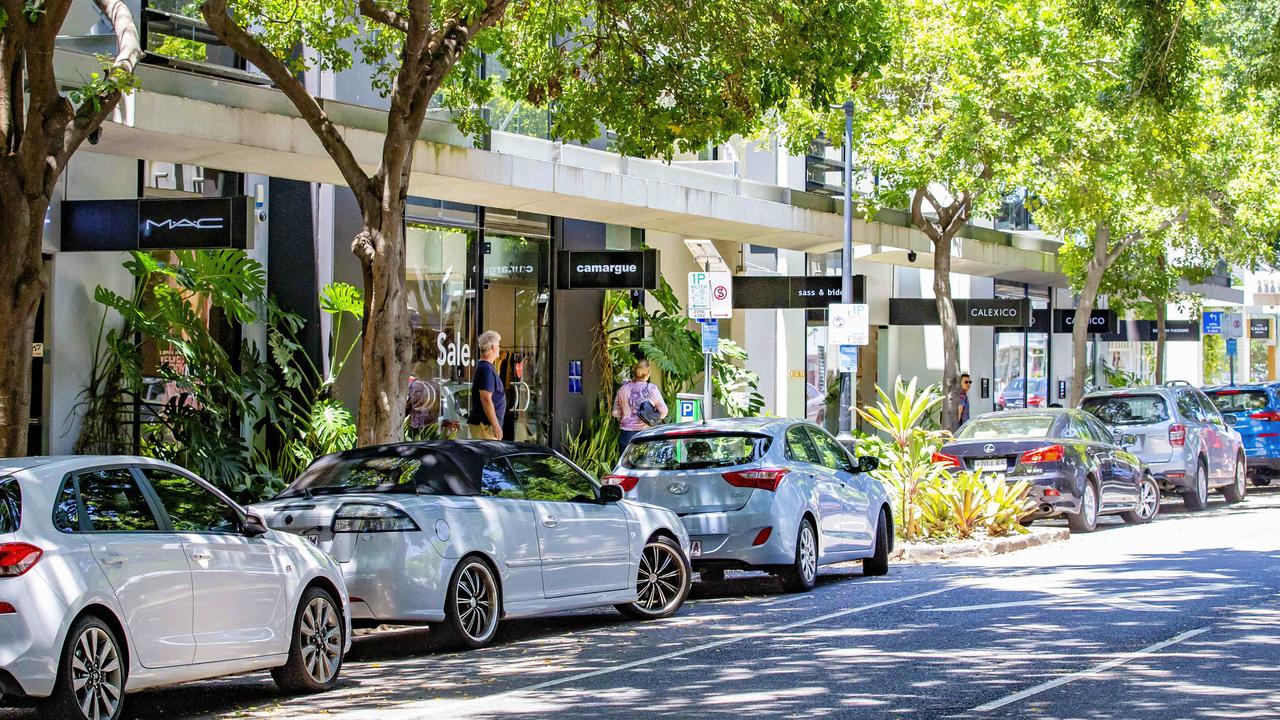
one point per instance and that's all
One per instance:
(846, 273)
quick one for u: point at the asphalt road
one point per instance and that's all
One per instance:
(1176, 619)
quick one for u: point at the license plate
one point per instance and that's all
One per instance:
(695, 548)
(996, 465)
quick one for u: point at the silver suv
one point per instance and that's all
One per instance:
(1176, 430)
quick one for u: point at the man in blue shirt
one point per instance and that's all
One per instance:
(488, 398)
(962, 406)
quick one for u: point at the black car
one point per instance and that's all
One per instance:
(1074, 464)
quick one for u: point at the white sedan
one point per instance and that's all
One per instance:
(459, 534)
(124, 573)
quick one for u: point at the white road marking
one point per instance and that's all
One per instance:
(453, 708)
(1122, 602)
(1082, 674)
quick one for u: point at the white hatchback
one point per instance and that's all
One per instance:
(124, 573)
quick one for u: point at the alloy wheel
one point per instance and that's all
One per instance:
(96, 674)
(1090, 508)
(660, 581)
(1148, 500)
(476, 601)
(320, 637)
(808, 553)
(1240, 489)
(1202, 484)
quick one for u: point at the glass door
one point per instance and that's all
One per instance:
(517, 304)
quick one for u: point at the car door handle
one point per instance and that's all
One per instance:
(201, 554)
(550, 521)
(114, 559)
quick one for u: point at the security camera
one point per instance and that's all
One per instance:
(262, 216)
(911, 256)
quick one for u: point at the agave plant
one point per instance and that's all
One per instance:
(902, 416)
(1007, 504)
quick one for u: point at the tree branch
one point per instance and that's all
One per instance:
(385, 16)
(1137, 235)
(220, 21)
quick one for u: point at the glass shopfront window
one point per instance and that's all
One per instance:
(1022, 377)
(463, 280)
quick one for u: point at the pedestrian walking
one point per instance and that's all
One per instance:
(638, 405)
(488, 397)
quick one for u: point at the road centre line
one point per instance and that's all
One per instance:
(448, 708)
(1082, 674)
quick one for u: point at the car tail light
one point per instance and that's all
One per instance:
(1051, 492)
(371, 518)
(626, 482)
(1046, 454)
(7, 608)
(760, 479)
(948, 460)
(1035, 401)
(1227, 392)
(762, 537)
(1269, 415)
(17, 558)
(1177, 435)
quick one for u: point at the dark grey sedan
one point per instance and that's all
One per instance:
(1072, 461)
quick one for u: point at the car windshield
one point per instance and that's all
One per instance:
(997, 426)
(1127, 409)
(695, 452)
(1239, 401)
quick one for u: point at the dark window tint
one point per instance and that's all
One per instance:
(1189, 408)
(10, 505)
(1100, 432)
(546, 477)
(496, 481)
(1127, 409)
(66, 511)
(693, 452)
(833, 456)
(800, 447)
(392, 470)
(114, 502)
(1241, 402)
(191, 508)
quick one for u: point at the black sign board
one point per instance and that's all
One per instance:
(1259, 328)
(1146, 331)
(1100, 321)
(998, 313)
(156, 224)
(783, 293)
(607, 269)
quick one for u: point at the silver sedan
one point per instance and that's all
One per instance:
(762, 493)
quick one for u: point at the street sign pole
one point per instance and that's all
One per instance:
(846, 269)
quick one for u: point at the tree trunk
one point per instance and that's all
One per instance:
(950, 332)
(1162, 314)
(385, 346)
(22, 284)
(1080, 329)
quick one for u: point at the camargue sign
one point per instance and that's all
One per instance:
(607, 270)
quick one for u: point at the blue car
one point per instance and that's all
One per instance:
(1256, 408)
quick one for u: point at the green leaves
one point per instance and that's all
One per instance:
(340, 297)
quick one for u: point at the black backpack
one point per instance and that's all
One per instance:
(647, 411)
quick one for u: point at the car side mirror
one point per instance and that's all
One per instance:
(254, 525)
(611, 493)
(1229, 418)
(867, 463)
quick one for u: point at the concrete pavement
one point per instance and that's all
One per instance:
(1176, 619)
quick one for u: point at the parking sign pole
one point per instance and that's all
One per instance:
(846, 272)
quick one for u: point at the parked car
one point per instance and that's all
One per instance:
(1019, 394)
(1070, 459)
(460, 534)
(762, 493)
(1256, 409)
(124, 573)
(1176, 430)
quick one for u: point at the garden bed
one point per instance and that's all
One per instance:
(977, 546)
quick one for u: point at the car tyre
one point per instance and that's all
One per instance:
(472, 607)
(1197, 498)
(1234, 492)
(1148, 503)
(663, 580)
(1086, 521)
(878, 564)
(315, 651)
(102, 672)
(802, 574)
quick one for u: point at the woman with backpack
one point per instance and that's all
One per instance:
(639, 404)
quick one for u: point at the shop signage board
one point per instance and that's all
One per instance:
(756, 292)
(997, 313)
(1259, 328)
(157, 224)
(1232, 325)
(607, 270)
(848, 324)
(1100, 321)
(1146, 331)
(1211, 322)
(710, 295)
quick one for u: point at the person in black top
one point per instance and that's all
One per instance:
(488, 397)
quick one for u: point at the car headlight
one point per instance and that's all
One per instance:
(371, 518)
